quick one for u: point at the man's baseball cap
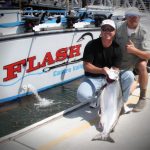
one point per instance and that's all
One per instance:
(132, 11)
(109, 22)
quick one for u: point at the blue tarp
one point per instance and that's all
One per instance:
(88, 20)
(11, 24)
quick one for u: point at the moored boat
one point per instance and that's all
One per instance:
(43, 59)
(46, 56)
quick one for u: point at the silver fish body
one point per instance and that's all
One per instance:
(110, 106)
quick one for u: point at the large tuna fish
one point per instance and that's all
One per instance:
(110, 107)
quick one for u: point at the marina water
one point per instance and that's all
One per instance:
(42, 102)
(36, 107)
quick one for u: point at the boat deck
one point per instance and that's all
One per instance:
(74, 128)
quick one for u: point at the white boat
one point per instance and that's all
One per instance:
(49, 56)
(42, 59)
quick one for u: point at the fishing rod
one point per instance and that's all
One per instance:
(24, 71)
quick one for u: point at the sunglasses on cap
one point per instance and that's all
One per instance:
(107, 29)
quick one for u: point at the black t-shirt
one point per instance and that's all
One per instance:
(99, 56)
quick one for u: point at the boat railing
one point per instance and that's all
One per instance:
(64, 12)
(3, 14)
(10, 19)
(31, 20)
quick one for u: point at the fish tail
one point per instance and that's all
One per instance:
(102, 137)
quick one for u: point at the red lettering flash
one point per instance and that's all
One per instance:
(74, 51)
(31, 64)
(61, 54)
(13, 69)
(48, 59)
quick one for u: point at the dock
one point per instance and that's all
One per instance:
(74, 128)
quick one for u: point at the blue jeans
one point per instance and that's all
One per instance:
(90, 86)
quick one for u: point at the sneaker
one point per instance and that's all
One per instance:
(94, 104)
(140, 105)
(127, 109)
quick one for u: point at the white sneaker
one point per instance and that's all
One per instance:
(94, 104)
(127, 109)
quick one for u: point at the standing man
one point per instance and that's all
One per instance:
(100, 55)
(135, 44)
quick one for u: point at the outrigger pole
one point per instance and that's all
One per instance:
(67, 5)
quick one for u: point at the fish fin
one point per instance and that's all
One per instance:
(110, 139)
(102, 137)
(112, 130)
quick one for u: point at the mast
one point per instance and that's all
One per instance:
(67, 5)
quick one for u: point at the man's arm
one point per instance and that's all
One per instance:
(133, 50)
(88, 67)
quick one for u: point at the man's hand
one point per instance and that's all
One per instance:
(137, 52)
(130, 47)
(105, 70)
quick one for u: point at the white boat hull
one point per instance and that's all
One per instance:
(44, 60)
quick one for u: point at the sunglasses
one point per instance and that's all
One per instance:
(107, 29)
(132, 15)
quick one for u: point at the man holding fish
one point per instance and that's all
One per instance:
(102, 59)
(100, 56)
(104, 56)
